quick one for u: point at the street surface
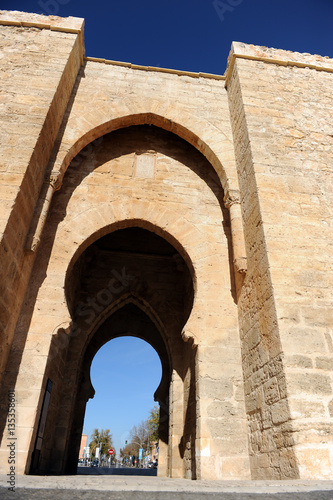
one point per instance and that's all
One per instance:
(98, 485)
(113, 470)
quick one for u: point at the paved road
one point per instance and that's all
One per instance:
(116, 471)
(96, 486)
(54, 494)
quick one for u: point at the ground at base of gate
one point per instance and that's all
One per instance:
(98, 486)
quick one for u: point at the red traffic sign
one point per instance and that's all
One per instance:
(110, 451)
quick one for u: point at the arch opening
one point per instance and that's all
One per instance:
(125, 368)
(154, 120)
(125, 379)
(124, 249)
(130, 282)
(125, 373)
(131, 261)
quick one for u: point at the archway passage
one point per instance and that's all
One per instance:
(129, 320)
(131, 282)
(139, 220)
(125, 374)
(132, 260)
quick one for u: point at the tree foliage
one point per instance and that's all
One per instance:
(143, 435)
(153, 423)
(102, 439)
(129, 450)
(139, 434)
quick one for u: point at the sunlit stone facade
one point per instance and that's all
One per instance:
(189, 210)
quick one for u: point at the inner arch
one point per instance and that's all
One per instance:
(130, 282)
(125, 373)
(130, 261)
(184, 131)
(132, 321)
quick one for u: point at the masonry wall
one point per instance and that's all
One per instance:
(39, 68)
(283, 138)
(110, 174)
(261, 319)
(117, 182)
(196, 108)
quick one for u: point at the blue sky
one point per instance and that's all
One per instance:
(192, 35)
(125, 374)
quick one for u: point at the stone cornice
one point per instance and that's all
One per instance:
(30, 20)
(276, 56)
(154, 68)
(73, 25)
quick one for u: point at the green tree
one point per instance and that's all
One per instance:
(138, 438)
(144, 434)
(153, 423)
(129, 450)
(102, 439)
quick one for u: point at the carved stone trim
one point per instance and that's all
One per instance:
(232, 202)
(42, 208)
(231, 197)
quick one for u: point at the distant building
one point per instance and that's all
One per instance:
(154, 450)
(83, 445)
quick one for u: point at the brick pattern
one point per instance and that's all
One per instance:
(257, 144)
(188, 212)
(40, 70)
(284, 144)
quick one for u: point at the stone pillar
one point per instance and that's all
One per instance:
(284, 309)
(32, 131)
(162, 469)
(176, 425)
(222, 439)
(42, 210)
(232, 202)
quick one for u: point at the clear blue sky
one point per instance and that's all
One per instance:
(125, 374)
(189, 35)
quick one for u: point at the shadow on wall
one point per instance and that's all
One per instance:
(109, 147)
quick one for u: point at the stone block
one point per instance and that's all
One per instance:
(210, 389)
(302, 408)
(314, 462)
(298, 361)
(309, 383)
(325, 363)
(236, 468)
(280, 412)
(271, 391)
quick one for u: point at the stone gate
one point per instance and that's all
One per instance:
(187, 209)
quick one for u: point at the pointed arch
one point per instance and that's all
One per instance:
(128, 319)
(127, 302)
(78, 233)
(129, 298)
(212, 142)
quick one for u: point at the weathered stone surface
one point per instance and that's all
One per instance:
(190, 210)
(286, 225)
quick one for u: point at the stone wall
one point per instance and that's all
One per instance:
(233, 172)
(279, 103)
(111, 174)
(39, 68)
